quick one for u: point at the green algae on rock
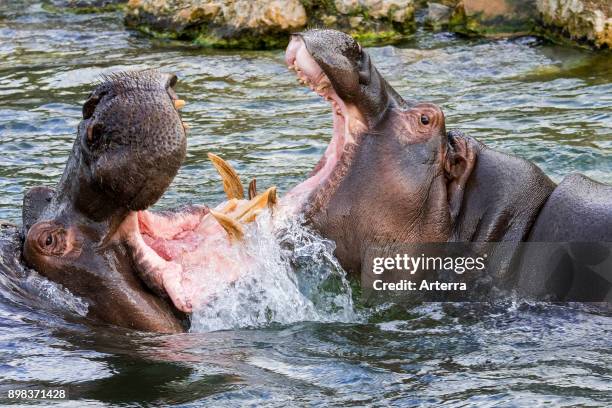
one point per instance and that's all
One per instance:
(258, 24)
(493, 18)
(586, 21)
(564, 21)
(220, 24)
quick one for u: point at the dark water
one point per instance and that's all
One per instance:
(548, 104)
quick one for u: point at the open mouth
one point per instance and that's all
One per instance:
(189, 255)
(168, 247)
(347, 121)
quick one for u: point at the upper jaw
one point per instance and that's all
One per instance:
(310, 73)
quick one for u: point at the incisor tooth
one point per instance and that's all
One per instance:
(232, 227)
(263, 200)
(231, 182)
(179, 104)
(252, 189)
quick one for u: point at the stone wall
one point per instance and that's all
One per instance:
(257, 24)
(588, 21)
(267, 23)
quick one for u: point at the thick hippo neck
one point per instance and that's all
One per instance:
(502, 199)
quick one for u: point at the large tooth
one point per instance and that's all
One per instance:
(322, 87)
(257, 204)
(252, 189)
(179, 104)
(233, 228)
(231, 182)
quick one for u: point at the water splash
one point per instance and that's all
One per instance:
(55, 295)
(293, 277)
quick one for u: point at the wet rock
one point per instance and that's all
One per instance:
(372, 22)
(255, 24)
(438, 16)
(494, 18)
(222, 24)
(587, 21)
(393, 10)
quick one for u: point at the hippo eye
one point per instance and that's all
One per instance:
(425, 119)
(53, 242)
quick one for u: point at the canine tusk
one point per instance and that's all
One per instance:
(179, 104)
(231, 182)
(252, 189)
(265, 199)
(231, 226)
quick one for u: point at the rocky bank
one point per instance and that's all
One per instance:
(257, 24)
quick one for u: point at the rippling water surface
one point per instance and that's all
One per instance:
(548, 104)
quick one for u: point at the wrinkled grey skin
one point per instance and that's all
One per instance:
(129, 146)
(408, 180)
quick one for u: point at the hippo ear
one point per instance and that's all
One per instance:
(35, 201)
(365, 67)
(459, 163)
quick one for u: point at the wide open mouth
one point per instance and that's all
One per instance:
(347, 121)
(190, 255)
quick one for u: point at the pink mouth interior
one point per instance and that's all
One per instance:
(170, 237)
(168, 246)
(180, 253)
(310, 73)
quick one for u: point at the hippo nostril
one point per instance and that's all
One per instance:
(90, 106)
(171, 81)
(425, 119)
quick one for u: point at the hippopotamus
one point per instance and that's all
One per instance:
(93, 233)
(393, 174)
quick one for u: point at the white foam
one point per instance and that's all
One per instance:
(293, 277)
